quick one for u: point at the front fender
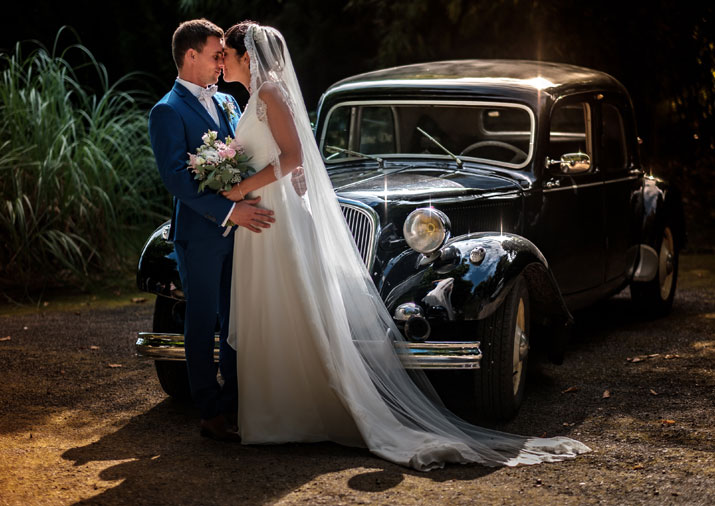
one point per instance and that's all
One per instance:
(157, 270)
(458, 285)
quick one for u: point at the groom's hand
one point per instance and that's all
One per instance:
(246, 214)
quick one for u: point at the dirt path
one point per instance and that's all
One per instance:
(82, 420)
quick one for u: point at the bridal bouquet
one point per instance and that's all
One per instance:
(219, 165)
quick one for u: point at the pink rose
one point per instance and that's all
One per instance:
(236, 146)
(227, 153)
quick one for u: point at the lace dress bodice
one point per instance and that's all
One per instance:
(254, 134)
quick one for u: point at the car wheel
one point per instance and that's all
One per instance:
(173, 377)
(499, 383)
(655, 297)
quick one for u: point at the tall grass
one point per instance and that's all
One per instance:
(77, 174)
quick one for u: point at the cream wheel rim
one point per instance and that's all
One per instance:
(521, 347)
(666, 263)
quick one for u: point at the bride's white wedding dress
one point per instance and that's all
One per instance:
(284, 373)
(313, 338)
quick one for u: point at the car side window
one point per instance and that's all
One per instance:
(613, 156)
(570, 130)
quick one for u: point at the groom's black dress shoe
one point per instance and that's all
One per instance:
(232, 421)
(216, 428)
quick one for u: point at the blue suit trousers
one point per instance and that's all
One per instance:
(205, 270)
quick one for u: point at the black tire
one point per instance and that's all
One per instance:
(654, 298)
(173, 377)
(499, 384)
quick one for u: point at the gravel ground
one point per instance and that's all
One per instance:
(82, 420)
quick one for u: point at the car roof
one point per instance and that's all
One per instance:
(523, 79)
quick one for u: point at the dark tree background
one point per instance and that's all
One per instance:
(662, 51)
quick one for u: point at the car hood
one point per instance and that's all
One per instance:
(417, 182)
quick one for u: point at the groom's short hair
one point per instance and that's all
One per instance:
(192, 35)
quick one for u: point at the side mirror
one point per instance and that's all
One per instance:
(571, 163)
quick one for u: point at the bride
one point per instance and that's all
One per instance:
(314, 340)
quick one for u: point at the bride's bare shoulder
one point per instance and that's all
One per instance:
(272, 96)
(270, 93)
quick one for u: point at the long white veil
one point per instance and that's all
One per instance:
(398, 414)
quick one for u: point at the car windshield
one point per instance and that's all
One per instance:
(495, 133)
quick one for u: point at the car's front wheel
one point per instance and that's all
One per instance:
(173, 376)
(655, 297)
(499, 383)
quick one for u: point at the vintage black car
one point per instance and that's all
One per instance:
(489, 199)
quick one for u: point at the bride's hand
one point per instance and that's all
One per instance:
(235, 194)
(298, 180)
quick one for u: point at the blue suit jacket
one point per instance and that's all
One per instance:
(176, 124)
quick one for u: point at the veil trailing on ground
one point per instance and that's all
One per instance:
(399, 415)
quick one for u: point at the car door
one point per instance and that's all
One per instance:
(572, 202)
(616, 160)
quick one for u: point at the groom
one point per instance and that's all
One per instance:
(204, 252)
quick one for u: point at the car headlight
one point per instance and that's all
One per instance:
(426, 229)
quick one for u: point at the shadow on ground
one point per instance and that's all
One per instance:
(176, 462)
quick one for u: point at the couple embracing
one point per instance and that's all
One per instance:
(306, 343)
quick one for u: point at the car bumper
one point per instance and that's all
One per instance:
(425, 355)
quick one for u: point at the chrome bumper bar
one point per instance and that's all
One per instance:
(426, 355)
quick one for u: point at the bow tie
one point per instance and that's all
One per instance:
(207, 93)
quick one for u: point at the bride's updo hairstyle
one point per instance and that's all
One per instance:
(269, 46)
(235, 37)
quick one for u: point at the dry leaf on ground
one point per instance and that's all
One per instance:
(570, 390)
(642, 358)
(653, 392)
(606, 394)
(6, 338)
(114, 366)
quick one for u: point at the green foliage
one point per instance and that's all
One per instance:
(77, 175)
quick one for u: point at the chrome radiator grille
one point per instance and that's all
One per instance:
(363, 225)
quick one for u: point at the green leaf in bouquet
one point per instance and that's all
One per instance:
(215, 185)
